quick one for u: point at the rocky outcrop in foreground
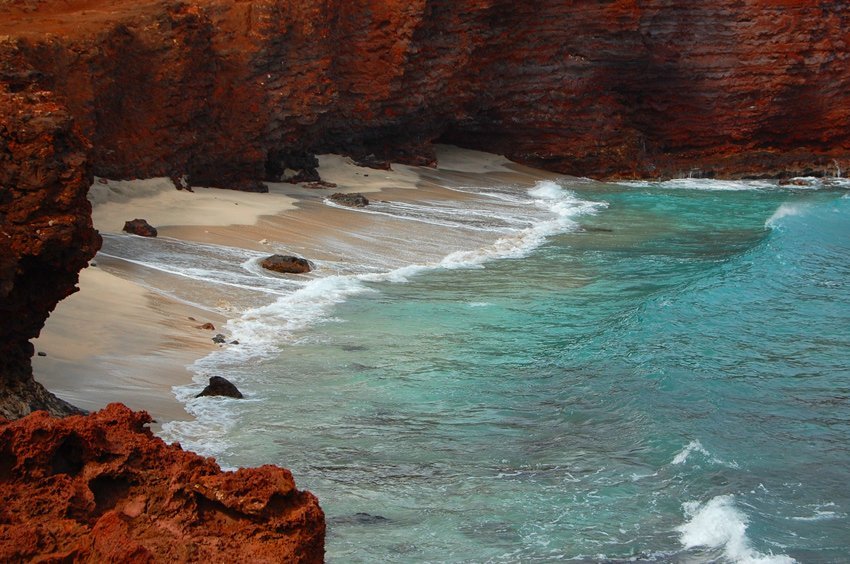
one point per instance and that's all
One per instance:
(46, 235)
(102, 488)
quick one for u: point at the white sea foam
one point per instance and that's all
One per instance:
(547, 190)
(695, 446)
(821, 513)
(818, 183)
(718, 524)
(488, 218)
(262, 330)
(206, 434)
(712, 185)
(707, 184)
(564, 205)
(271, 325)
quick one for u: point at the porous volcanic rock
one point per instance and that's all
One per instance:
(356, 200)
(46, 235)
(103, 488)
(140, 227)
(287, 264)
(219, 386)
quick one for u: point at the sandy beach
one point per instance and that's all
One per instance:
(124, 338)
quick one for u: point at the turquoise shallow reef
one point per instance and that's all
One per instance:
(644, 371)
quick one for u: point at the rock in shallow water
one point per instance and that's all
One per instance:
(219, 386)
(359, 518)
(287, 264)
(356, 200)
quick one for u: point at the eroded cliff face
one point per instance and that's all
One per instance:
(102, 488)
(46, 235)
(215, 89)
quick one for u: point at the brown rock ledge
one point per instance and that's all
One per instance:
(102, 488)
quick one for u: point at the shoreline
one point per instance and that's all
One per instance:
(122, 339)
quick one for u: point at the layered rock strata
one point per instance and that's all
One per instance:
(102, 488)
(229, 92)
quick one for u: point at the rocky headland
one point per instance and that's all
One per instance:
(231, 93)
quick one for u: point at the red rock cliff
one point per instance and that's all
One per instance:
(220, 89)
(46, 235)
(102, 488)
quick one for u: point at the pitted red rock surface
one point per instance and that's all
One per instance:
(102, 488)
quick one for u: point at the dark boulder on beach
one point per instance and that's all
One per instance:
(356, 200)
(140, 227)
(219, 386)
(287, 264)
(219, 338)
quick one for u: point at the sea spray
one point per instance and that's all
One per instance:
(785, 210)
(695, 447)
(719, 524)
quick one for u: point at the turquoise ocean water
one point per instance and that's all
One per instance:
(590, 372)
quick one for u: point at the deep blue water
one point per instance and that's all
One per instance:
(663, 378)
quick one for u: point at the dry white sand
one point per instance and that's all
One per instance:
(116, 340)
(161, 204)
